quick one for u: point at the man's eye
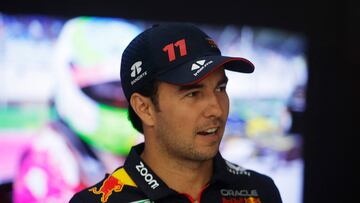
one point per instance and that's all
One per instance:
(191, 94)
(221, 88)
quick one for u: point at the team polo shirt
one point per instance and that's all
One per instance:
(136, 182)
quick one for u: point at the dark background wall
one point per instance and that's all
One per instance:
(333, 40)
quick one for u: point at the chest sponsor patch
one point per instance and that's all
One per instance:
(114, 183)
(110, 185)
(239, 196)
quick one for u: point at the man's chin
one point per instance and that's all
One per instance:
(205, 155)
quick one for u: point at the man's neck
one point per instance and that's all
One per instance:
(184, 176)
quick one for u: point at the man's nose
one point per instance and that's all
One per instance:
(214, 107)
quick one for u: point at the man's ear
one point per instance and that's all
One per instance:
(143, 107)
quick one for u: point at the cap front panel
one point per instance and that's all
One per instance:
(173, 45)
(177, 53)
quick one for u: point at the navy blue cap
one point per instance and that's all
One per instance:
(177, 53)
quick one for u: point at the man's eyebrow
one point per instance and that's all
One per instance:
(224, 80)
(190, 87)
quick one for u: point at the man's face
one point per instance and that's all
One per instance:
(191, 120)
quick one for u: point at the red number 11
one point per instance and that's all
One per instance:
(171, 50)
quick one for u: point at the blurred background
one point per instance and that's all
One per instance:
(63, 117)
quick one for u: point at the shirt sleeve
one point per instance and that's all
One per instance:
(76, 199)
(273, 192)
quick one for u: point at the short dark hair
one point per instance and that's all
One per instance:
(148, 90)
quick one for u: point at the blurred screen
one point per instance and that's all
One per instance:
(63, 117)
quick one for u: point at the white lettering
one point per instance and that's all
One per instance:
(204, 66)
(235, 169)
(138, 77)
(238, 193)
(147, 176)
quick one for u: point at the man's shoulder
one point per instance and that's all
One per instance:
(236, 172)
(242, 182)
(115, 187)
(86, 195)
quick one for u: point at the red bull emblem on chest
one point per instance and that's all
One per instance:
(109, 185)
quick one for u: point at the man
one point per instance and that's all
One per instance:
(173, 76)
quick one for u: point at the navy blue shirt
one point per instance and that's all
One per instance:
(136, 182)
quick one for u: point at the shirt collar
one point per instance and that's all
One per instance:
(144, 177)
(227, 172)
(155, 188)
(220, 170)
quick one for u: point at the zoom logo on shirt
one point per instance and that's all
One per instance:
(148, 177)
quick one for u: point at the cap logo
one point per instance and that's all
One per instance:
(212, 43)
(170, 50)
(135, 72)
(199, 66)
(135, 69)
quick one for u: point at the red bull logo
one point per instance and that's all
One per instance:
(110, 185)
(241, 200)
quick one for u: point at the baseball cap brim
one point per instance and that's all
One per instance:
(198, 69)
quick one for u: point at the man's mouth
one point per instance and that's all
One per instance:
(209, 132)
